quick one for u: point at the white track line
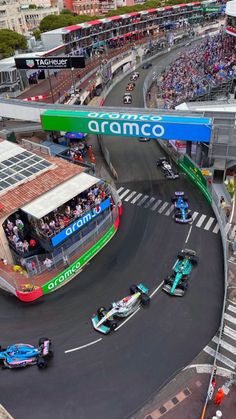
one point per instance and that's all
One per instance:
(170, 210)
(229, 318)
(149, 202)
(124, 193)
(163, 207)
(195, 214)
(130, 196)
(209, 223)
(228, 331)
(225, 345)
(120, 189)
(189, 232)
(156, 289)
(200, 221)
(128, 318)
(151, 295)
(143, 200)
(220, 357)
(216, 229)
(231, 308)
(136, 198)
(156, 204)
(84, 346)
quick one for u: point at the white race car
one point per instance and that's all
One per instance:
(104, 321)
(167, 168)
(134, 76)
(127, 98)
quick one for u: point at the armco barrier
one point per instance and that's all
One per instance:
(75, 267)
(195, 174)
(212, 199)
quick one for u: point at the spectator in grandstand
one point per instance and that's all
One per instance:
(48, 263)
(197, 70)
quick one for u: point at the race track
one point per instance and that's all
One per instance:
(116, 375)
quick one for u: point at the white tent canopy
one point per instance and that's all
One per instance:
(58, 196)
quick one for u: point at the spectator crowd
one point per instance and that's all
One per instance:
(61, 217)
(206, 65)
(16, 233)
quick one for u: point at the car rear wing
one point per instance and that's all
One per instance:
(179, 193)
(143, 288)
(46, 347)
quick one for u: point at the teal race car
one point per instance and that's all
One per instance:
(177, 283)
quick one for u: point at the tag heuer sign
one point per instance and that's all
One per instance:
(30, 63)
(43, 63)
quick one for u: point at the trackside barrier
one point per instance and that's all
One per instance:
(213, 200)
(106, 156)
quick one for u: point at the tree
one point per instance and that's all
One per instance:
(37, 34)
(32, 6)
(11, 41)
(66, 12)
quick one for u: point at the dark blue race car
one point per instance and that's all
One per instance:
(182, 212)
(21, 355)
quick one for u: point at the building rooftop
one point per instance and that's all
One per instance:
(31, 188)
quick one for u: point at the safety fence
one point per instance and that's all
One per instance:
(194, 173)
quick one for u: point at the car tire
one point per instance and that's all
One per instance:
(133, 289)
(112, 324)
(173, 200)
(168, 280)
(194, 260)
(42, 363)
(181, 256)
(42, 340)
(145, 300)
(101, 311)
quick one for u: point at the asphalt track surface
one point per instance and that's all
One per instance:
(116, 375)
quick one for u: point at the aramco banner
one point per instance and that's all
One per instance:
(80, 222)
(166, 127)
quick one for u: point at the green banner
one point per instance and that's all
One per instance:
(211, 9)
(195, 175)
(77, 265)
(166, 127)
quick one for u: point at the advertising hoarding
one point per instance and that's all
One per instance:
(79, 263)
(195, 175)
(167, 127)
(44, 63)
(80, 222)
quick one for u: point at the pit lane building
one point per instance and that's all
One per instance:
(37, 191)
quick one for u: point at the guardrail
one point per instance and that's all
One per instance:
(222, 221)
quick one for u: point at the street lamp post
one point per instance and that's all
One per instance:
(50, 85)
(73, 79)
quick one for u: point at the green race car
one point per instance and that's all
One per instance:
(177, 283)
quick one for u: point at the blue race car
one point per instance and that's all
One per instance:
(21, 355)
(182, 212)
(104, 320)
(177, 283)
